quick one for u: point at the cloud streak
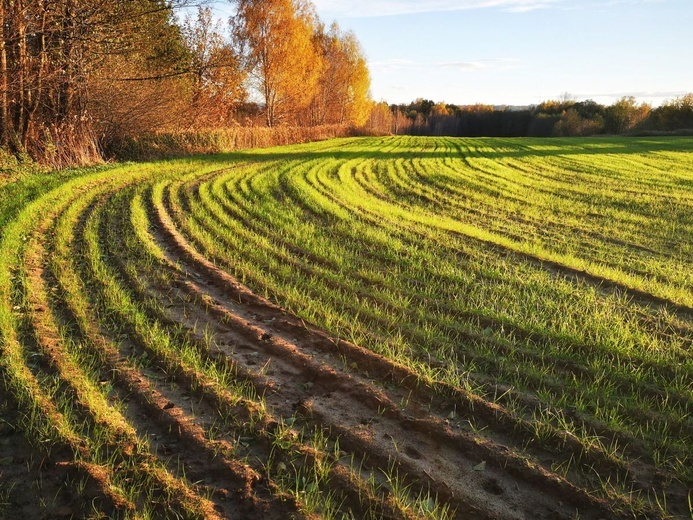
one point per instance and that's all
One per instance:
(468, 66)
(372, 8)
(375, 8)
(395, 64)
(642, 94)
(479, 64)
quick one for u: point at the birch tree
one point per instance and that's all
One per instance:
(343, 92)
(275, 39)
(217, 79)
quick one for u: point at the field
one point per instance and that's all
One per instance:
(359, 328)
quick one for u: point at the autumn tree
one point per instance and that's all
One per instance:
(625, 115)
(380, 119)
(440, 109)
(275, 40)
(80, 75)
(676, 114)
(143, 83)
(52, 50)
(217, 79)
(343, 91)
(23, 55)
(399, 121)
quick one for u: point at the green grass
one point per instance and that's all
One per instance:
(433, 257)
(551, 277)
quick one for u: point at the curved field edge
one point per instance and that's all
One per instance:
(508, 329)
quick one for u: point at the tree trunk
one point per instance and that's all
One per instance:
(42, 72)
(17, 137)
(269, 104)
(4, 83)
(67, 81)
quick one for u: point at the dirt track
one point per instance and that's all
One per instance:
(388, 438)
(378, 410)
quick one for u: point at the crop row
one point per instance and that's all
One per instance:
(413, 255)
(503, 317)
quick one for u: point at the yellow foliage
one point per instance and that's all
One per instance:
(277, 36)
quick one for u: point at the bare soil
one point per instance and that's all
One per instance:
(378, 410)
(380, 417)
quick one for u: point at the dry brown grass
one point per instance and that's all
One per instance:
(177, 144)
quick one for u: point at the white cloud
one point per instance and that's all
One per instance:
(465, 65)
(394, 65)
(479, 64)
(369, 8)
(655, 97)
(373, 8)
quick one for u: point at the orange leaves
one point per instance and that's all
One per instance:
(276, 39)
(304, 74)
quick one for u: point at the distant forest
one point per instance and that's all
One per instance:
(563, 117)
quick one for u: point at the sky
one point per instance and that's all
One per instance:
(521, 52)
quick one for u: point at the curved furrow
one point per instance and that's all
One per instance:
(649, 289)
(428, 235)
(553, 226)
(677, 269)
(156, 404)
(443, 304)
(131, 453)
(569, 205)
(331, 385)
(42, 378)
(311, 269)
(237, 339)
(396, 327)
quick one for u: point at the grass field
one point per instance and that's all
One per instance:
(360, 328)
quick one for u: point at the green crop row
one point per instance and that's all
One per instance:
(550, 279)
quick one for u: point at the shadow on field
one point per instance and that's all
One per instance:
(489, 148)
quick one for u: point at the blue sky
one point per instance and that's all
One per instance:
(521, 52)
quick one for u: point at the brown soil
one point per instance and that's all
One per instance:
(380, 411)
(381, 418)
(35, 484)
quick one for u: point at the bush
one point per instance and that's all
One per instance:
(176, 144)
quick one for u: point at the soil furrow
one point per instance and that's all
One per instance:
(285, 338)
(161, 405)
(604, 462)
(221, 405)
(122, 443)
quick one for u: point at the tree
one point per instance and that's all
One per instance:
(440, 109)
(423, 107)
(275, 39)
(380, 118)
(356, 100)
(52, 51)
(217, 80)
(676, 114)
(140, 81)
(343, 91)
(625, 114)
(572, 123)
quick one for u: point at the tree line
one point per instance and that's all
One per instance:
(564, 117)
(77, 77)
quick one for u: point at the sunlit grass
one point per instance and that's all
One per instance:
(554, 279)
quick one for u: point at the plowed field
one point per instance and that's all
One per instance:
(360, 328)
